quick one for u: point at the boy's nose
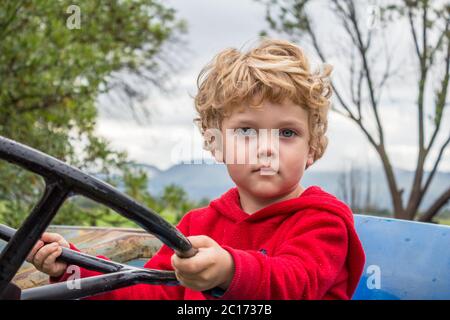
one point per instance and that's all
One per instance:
(268, 148)
(265, 152)
(268, 159)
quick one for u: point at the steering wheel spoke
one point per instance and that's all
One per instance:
(63, 181)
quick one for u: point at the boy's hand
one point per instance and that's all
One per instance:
(211, 267)
(44, 253)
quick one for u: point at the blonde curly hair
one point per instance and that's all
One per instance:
(273, 71)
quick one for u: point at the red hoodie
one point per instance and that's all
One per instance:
(301, 248)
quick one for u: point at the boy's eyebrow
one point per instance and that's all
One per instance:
(281, 124)
(244, 122)
(292, 123)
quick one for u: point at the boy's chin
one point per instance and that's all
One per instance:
(266, 190)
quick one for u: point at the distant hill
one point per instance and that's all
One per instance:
(150, 170)
(199, 180)
(211, 180)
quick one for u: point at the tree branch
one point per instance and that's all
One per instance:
(10, 19)
(415, 194)
(435, 166)
(436, 206)
(413, 31)
(363, 51)
(441, 96)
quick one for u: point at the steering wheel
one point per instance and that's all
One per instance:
(61, 182)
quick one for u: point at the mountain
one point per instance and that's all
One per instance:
(212, 180)
(199, 180)
(150, 170)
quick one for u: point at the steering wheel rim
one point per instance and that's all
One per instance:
(63, 181)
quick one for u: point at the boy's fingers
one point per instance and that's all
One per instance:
(192, 265)
(50, 261)
(201, 241)
(184, 279)
(180, 278)
(33, 251)
(43, 253)
(49, 237)
(193, 284)
(51, 258)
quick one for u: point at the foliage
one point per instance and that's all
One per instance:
(51, 76)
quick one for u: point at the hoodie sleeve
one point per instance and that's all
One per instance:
(304, 266)
(161, 261)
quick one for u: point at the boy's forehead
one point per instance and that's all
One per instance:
(274, 112)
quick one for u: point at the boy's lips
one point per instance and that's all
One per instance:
(265, 170)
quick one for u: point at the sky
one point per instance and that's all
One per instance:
(171, 136)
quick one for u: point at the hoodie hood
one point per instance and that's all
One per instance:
(228, 205)
(314, 198)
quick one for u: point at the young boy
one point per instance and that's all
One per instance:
(268, 237)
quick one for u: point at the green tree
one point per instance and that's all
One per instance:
(174, 203)
(52, 74)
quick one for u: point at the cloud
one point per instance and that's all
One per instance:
(236, 23)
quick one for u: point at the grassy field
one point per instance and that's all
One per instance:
(442, 218)
(445, 221)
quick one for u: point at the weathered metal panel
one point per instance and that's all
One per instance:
(404, 259)
(118, 244)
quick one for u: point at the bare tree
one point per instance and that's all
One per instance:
(355, 188)
(366, 46)
(369, 205)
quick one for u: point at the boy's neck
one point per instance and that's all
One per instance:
(250, 204)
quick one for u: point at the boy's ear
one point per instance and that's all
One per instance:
(310, 158)
(213, 143)
(217, 154)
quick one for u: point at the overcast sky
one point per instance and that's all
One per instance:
(214, 25)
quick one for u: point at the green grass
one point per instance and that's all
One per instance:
(445, 221)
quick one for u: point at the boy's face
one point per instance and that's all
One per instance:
(266, 150)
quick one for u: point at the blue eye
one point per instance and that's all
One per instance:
(287, 133)
(245, 131)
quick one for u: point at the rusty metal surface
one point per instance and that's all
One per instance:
(118, 244)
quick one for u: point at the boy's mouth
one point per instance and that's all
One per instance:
(265, 171)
